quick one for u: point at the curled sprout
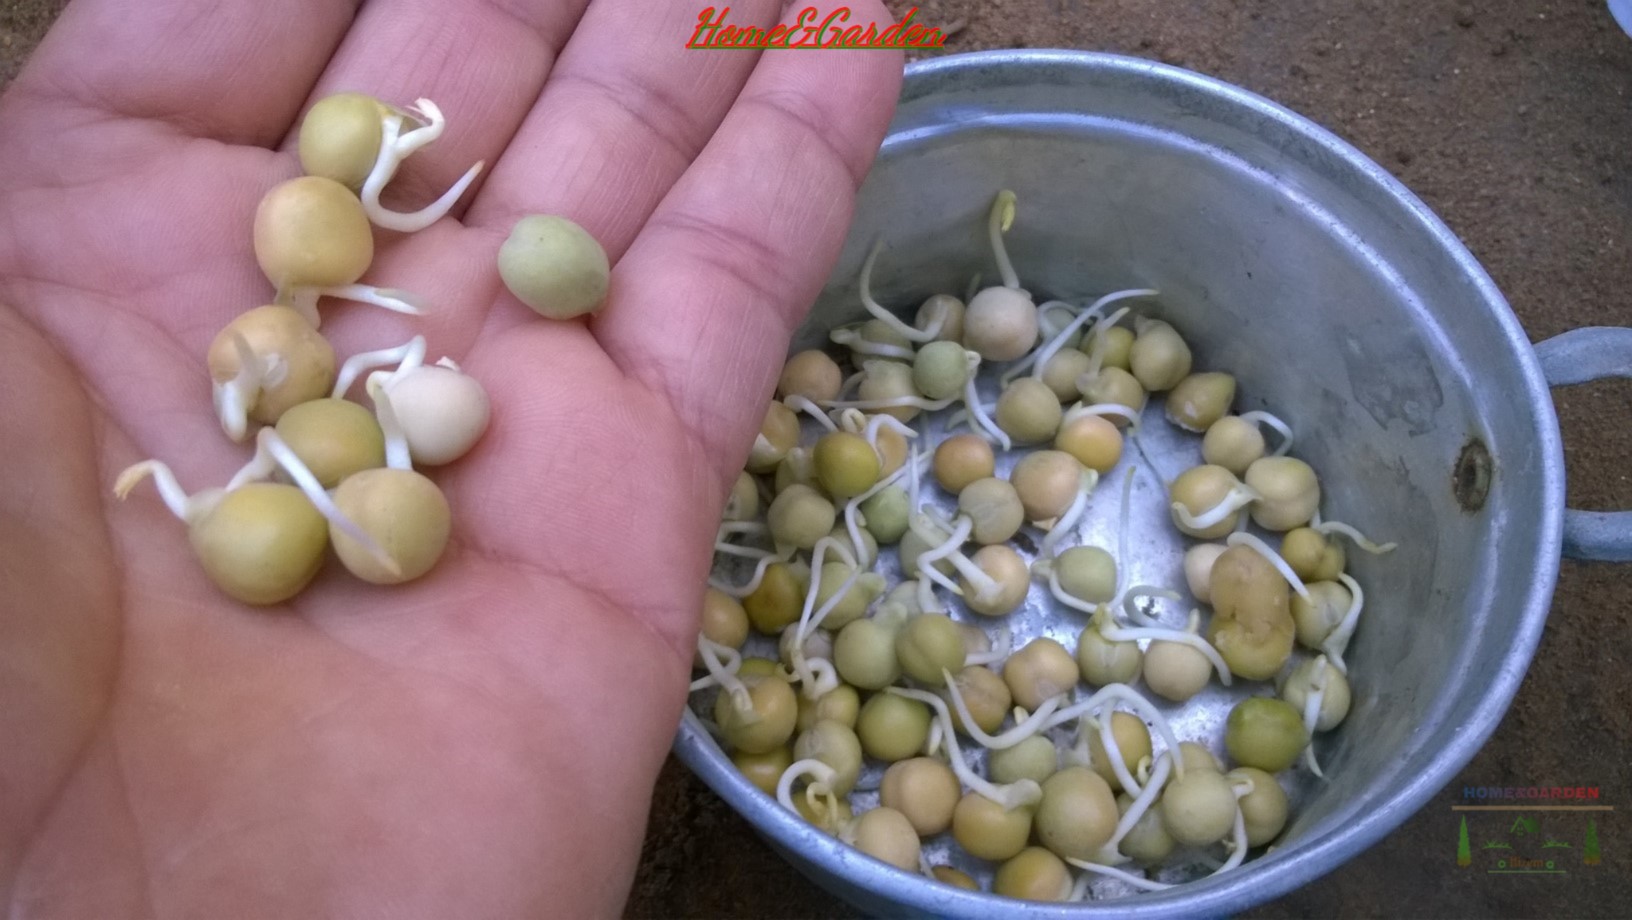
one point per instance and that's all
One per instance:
(722, 662)
(1137, 881)
(1237, 844)
(741, 591)
(1058, 590)
(999, 651)
(234, 397)
(1009, 797)
(304, 299)
(271, 454)
(997, 224)
(1025, 725)
(822, 777)
(1113, 751)
(1151, 787)
(406, 357)
(1338, 641)
(1239, 496)
(1102, 409)
(1331, 527)
(986, 589)
(1096, 358)
(1068, 521)
(809, 620)
(1141, 615)
(817, 676)
(946, 548)
(1155, 632)
(1135, 701)
(850, 337)
(1311, 711)
(396, 146)
(1280, 427)
(186, 508)
(803, 404)
(1046, 353)
(979, 417)
(850, 383)
(910, 333)
(1263, 549)
(852, 508)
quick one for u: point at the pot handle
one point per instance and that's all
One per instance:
(1580, 356)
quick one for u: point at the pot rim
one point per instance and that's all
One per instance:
(1273, 877)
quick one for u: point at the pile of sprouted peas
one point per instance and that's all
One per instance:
(327, 471)
(1057, 770)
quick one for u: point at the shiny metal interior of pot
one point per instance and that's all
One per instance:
(1340, 304)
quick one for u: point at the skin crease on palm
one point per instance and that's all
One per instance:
(483, 742)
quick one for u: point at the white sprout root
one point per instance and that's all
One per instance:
(1311, 711)
(803, 404)
(1331, 527)
(822, 776)
(1238, 832)
(1141, 707)
(929, 531)
(1128, 414)
(1113, 751)
(1239, 496)
(1010, 796)
(1024, 727)
(980, 420)
(722, 663)
(1068, 521)
(406, 357)
(395, 147)
(998, 223)
(999, 651)
(186, 508)
(234, 398)
(1049, 331)
(1110, 854)
(1114, 632)
(878, 312)
(272, 453)
(815, 679)
(1338, 641)
(851, 338)
(1137, 881)
(1281, 428)
(303, 300)
(397, 455)
(1050, 348)
(1096, 358)
(894, 402)
(1261, 548)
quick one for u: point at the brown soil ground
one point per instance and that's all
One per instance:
(1512, 119)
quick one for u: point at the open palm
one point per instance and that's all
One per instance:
(481, 742)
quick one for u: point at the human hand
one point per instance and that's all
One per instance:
(481, 742)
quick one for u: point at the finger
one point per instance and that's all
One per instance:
(626, 110)
(481, 63)
(705, 301)
(233, 70)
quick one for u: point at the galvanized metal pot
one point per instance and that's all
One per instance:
(1339, 302)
